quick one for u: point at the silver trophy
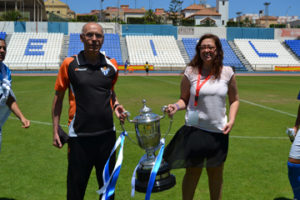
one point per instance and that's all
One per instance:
(147, 128)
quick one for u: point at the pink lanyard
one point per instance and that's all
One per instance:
(199, 86)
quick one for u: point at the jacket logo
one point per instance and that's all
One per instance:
(80, 69)
(105, 70)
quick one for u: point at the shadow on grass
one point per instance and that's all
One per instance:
(278, 198)
(4, 198)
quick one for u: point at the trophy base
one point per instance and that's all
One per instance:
(163, 180)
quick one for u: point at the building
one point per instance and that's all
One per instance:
(295, 24)
(266, 21)
(131, 13)
(32, 10)
(204, 14)
(59, 9)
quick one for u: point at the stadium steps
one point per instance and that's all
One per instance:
(65, 47)
(290, 50)
(240, 56)
(7, 38)
(124, 49)
(183, 51)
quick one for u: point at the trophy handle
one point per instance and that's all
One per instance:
(171, 119)
(122, 126)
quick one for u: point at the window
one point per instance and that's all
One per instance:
(223, 22)
(223, 3)
(58, 12)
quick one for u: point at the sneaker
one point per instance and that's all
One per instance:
(291, 133)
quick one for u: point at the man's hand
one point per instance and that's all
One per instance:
(120, 113)
(56, 140)
(25, 123)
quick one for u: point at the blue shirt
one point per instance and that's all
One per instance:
(5, 74)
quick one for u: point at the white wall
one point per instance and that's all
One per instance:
(132, 15)
(286, 33)
(198, 19)
(197, 32)
(40, 27)
(8, 27)
(75, 27)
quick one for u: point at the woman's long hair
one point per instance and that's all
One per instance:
(218, 61)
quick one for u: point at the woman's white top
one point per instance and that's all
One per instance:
(210, 112)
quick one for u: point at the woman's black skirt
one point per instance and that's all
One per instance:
(193, 147)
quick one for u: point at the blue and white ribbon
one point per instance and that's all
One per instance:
(134, 174)
(110, 181)
(153, 171)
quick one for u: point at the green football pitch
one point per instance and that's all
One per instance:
(255, 169)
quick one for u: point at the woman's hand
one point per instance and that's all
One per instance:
(227, 128)
(172, 109)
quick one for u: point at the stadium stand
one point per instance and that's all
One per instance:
(111, 46)
(34, 51)
(160, 51)
(230, 59)
(294, 45)
(265, 54)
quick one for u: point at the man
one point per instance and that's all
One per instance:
(90, 78)
(125, 66)
(294, 159)
(147, 66)
(7, 99)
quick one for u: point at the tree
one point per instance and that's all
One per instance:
(149, 17)
(87, 18)
(11, 15)
(175, 11)
(152, 18)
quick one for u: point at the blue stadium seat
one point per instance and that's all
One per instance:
(294, 46)
(2, 35)
(111, 46)
(230, 59)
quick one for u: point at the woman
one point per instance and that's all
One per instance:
(294, 157)
(203, 140)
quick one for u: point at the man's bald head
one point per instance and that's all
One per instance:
(88, 25)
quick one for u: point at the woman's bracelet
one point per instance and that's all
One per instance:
(177, 106)
(116, 105)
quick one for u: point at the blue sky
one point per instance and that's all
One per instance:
(276, 8)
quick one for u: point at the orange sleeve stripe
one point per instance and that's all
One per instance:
(72, 106)
(62, 80)
(63, 83)
(114, 62)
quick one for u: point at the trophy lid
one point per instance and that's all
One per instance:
(146, 115)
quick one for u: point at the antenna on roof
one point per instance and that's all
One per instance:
(202, 2)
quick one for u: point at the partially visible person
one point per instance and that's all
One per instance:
(126, 64)
(90, 77)
(7, 98)
(147, 66)
(294, 159)
(203, 141)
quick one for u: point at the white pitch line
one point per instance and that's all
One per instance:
(268, 108)
(37, 122)
(132, 132)
(175, 83)
(242, 100)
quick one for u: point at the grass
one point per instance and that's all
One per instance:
(32, 169)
